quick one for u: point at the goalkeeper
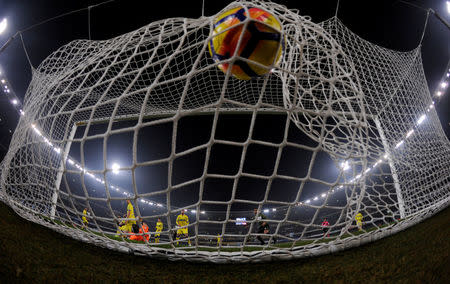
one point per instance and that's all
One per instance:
(128, 227)
(182, 223)
(141, 236)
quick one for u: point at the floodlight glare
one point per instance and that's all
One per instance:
(115, 168)
(421, 119)
(399, 144)
(345, 166)
(3, 25)
(14, 102)
(410, 133)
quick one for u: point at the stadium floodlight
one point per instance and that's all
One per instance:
(14, 102)
(266, 210)
(3, 25)
(3, 81)
(115, 168)
(410, 133)
(448, 6)
(274, 209)
(399, 144)
(22, 113)
(345, 165)
(444, 85)
(323, 195)
(421, 119)
(193, 211)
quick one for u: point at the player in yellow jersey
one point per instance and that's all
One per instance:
(182, 222)
(128, 227)
(218, 239)
(358, 219)
(159, 228)
(84, 218)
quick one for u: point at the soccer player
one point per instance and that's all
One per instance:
(218, 239)
(182, 222)
(264, 227)
(159, 228)
(128, 227)
(358, 219)
(142, 234)
(325, 225)
(84, 218)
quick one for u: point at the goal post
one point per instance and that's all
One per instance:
(398, 191)
(64, 157)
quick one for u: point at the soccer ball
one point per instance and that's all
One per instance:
(261, 41)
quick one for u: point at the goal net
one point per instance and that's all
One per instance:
(337, 146)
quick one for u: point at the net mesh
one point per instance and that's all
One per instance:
(340, 127)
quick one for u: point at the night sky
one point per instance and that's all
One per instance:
(391, 24)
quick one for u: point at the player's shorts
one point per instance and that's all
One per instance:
(183, 231)
(157, 235)
(85, 221)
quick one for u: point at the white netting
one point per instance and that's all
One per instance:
(318, 137)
